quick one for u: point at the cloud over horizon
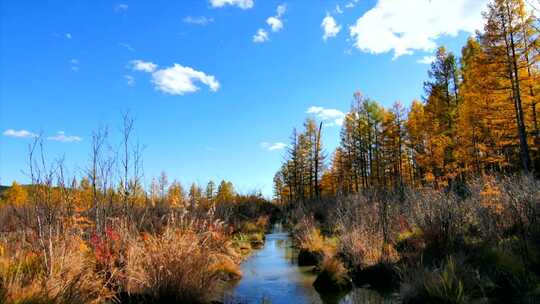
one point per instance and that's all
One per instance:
(273, 146)
(331, 117)
(426, 60)
(19, 133)
(62, 137)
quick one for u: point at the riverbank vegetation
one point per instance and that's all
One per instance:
(439, 201)
(104, 238)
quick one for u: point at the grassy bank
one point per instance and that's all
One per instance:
(56, 253)
(476, 243)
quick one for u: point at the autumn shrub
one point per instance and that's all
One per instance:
(225, 267)
(444, 284)
(21, 277)
(308, 237)
(173, 267)
(333, 276)
(184, 264)
(71, 277)
(361, 241)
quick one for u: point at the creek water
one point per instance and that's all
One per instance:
(272, 275)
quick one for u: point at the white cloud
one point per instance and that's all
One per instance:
(338, 10)
(403, 26)
(281, 9)
(330, 27)
(130, 80)
(179, 80)
(19, 133)
(122, 7)
(127, 46)
(426, 60)
(243, 4)
(62, 137)
(261, 36)
(275, 23)
(351, 4)
(330, 116)
(273, 146)
(198, 20)
(68, 36)
(140, 65)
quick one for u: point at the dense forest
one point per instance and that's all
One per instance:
(438, 202)
(479, 117)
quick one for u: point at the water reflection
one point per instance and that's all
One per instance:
(271, 275)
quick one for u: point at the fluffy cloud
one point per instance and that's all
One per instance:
(243, 4)
(403, 26)
(19, 133)
(261, 36)
(275, 23)
(426, 60)
(144, 66)
(330, 116)
(179, 80)
(330, 27)
(62, 137)
(68, 36)
(273, 146)
(197, 20)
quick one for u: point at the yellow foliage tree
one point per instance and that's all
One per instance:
(16, 195)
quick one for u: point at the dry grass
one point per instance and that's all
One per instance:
(71, 279)
(308, 237)
(335, 269)
(175, 267)
(184, 263)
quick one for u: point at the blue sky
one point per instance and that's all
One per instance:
(215, 86)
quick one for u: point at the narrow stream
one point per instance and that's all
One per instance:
(272, 275)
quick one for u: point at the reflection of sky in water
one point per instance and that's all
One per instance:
(271, 275)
